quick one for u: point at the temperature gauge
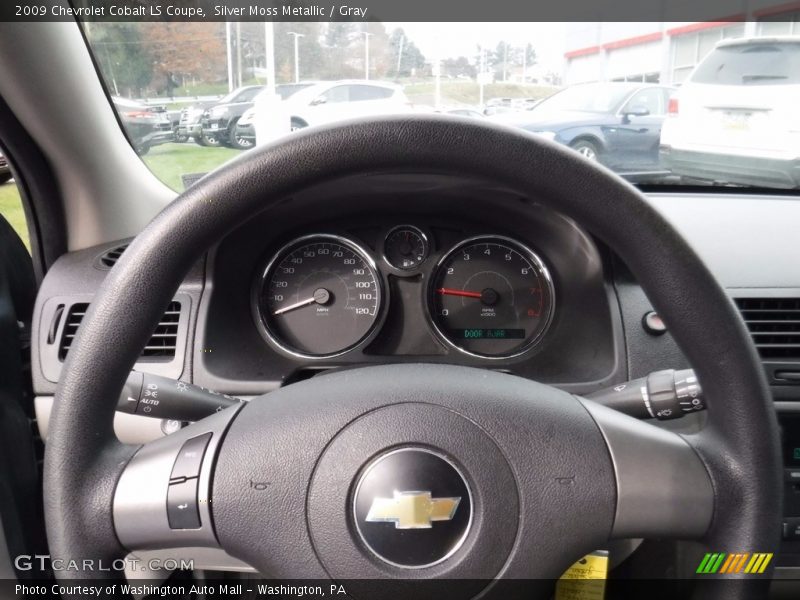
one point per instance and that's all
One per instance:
(405, 247)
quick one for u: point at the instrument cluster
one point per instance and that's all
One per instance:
(323, 295)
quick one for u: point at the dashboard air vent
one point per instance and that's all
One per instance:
(774, 324)
(160, 346)
(110, 257)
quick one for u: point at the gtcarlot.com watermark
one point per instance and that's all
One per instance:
(42, 562)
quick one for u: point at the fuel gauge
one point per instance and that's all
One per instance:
(405, 247)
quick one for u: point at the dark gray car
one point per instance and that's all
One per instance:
(5, 170)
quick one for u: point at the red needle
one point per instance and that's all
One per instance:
(452, 292)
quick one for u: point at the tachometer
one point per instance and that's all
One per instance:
(491, 297)
(319, 296)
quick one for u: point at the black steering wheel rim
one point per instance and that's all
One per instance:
(739, 445)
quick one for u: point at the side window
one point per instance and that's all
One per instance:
(651, 98)
(369, 92)
(11, 203)
(340, 93)
(247, 95)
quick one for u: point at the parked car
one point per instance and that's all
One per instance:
(189, 121)
(736, 119)
(243, 132)
(5, 169)
(337, 100)
(218, 120)
(147, 126)
(330, 101)
(464, 112)
(617, 124)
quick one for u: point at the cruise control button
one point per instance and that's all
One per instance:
(182, 512)
(190, 457)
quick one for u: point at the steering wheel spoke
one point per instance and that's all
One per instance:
(663, 488)
(163, 497)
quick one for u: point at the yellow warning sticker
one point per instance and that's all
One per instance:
(584, 580)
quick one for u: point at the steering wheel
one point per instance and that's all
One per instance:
(413, 471)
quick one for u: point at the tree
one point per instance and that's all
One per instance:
(530, 55)
(123, 58)
(336, 43)
(309, 48)
(194, 51)
(458, 67)
(407, 58)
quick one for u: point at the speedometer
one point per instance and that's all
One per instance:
(491, 297)
(319, 296)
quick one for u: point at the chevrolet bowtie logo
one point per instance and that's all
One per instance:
(412, 510)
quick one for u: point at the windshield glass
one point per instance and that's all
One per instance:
(752, 64)
(597, 98)
(658, 103)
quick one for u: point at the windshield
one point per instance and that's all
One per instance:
(658, 103)
(752, 64)
(597, 98)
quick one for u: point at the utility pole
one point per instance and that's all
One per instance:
(366, 53)
(505, 62)
(400, 55)
(525, 64)
(230, 55)
(437, 72)
(269, 55)
(481, 75)
(296, 55)
(238, 54)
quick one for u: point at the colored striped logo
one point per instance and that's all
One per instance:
(741, 562)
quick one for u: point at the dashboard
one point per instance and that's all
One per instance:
(383, 269)
(440, 268)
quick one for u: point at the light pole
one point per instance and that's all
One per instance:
(229, 48)
(400, 55)
(296, 55)
(366, 53)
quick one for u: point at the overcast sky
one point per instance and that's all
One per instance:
(461, 39)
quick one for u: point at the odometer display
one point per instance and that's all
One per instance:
(491, 297)
(319, 296)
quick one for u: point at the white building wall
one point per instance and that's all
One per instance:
(634, 61)
(669, 59)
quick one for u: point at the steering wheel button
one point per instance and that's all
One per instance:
(190, 458)
(182, 510)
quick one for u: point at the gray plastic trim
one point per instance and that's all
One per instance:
(129, 429)
(716, 224)
(108, 192)
(207, 559)
(140, 500)
(663, 488)
(48, 352)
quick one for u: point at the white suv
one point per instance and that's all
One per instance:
(737, 119)
(337, 100)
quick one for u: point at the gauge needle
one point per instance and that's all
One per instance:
(488, 296)
(321, 296)
(465, 294)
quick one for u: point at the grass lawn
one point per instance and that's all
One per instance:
(11, 209)
(468, 92)
(170, 161)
